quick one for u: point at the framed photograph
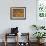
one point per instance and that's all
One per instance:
(18, 13)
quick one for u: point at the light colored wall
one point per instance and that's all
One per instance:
(23, 25)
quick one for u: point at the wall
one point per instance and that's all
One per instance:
(24, 25)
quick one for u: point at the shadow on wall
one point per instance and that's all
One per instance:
(7, 31)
